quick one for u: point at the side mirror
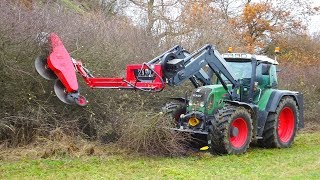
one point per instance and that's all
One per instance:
(266, 69)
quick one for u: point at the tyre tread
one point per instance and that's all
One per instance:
(270, 136)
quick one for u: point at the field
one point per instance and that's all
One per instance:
(301, 161)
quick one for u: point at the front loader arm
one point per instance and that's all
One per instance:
(195, 63)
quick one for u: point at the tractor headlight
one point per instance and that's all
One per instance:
(197, 104)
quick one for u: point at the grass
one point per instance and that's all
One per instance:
(73, 6)
(301, 161)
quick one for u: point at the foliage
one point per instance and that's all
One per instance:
(29, 108)
(106, 43)
(260, 21)
(149, 134)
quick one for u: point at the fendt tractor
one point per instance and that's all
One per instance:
(235, 101)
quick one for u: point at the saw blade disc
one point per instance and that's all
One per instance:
(41, 67)
(61, 92)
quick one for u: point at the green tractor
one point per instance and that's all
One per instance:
(242, 104)
(236, 100)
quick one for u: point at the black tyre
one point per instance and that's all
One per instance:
(281, 126)
(231, 131)
(175, 109)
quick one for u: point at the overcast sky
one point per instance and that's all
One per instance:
(315, 20)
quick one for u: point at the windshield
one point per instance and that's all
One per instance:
(240, 70)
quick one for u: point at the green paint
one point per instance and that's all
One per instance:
(261, 95)
(217, 91)
(265, 96)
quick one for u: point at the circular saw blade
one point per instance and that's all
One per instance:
(41, 67)
(61, 93)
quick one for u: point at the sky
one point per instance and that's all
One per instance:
(315, 20)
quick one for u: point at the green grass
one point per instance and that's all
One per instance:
(301, 161)
(73, 6)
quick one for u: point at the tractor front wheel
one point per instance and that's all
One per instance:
(281, 126)
(175, 109)
(231, 131)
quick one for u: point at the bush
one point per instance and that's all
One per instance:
(29, 108)
(148, 133)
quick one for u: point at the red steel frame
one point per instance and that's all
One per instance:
(130, 82)
(60, 62)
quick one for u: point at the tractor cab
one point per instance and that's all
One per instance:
(241, 66)
(265, 77)
(206, 100)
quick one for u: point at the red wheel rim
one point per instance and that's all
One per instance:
(285, 124)
(240, 139)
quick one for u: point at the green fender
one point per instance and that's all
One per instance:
(269, 103)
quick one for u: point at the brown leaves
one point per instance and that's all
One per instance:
(255, 21)
(196, 13)
(261, 21)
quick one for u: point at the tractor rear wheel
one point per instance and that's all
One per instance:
(281, 126)
(231, 131)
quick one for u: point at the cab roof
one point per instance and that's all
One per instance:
(240, 56)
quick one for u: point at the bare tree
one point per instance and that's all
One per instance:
(227, 7)
(160, 17)
(109, 6)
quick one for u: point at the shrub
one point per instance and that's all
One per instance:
(148, 133)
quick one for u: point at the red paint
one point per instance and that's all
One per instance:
(239, 140)
(129, 82)
(286, 124)
(59, 61)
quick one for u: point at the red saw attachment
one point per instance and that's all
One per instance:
(59, 66)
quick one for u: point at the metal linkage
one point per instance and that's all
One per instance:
(194, 66)
(140, 76)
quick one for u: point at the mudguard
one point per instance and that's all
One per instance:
(272, 105)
